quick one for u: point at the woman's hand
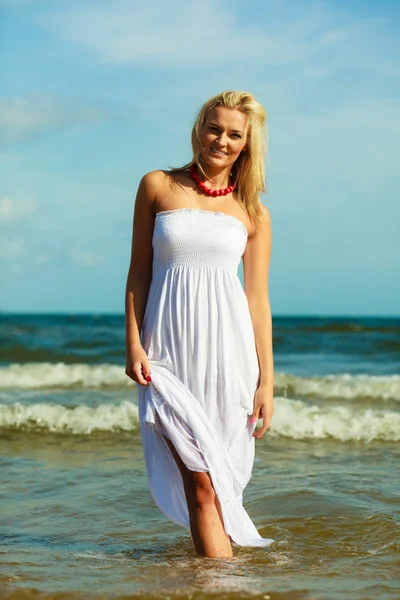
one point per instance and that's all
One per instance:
(138, 366)
(263, 409)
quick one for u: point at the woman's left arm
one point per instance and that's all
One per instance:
(256, 261)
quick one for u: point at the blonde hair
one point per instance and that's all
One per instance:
(248, 169)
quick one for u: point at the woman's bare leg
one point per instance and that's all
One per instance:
(206, 522)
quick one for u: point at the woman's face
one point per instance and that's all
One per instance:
(224, 136)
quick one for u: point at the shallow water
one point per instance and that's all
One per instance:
(77, 520)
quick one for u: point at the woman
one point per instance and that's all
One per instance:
(198, 345)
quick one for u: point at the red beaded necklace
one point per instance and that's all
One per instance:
(208, 191)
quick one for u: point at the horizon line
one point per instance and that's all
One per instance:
(274, 315)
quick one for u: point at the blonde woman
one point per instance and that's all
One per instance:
(198, 345)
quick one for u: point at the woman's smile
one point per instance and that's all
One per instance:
(218, 152)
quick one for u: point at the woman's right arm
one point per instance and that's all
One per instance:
(139, 277)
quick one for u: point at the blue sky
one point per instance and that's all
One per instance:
(95, 94)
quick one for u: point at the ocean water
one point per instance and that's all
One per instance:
(77, 519)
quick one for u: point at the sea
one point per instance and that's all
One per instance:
(76, 517)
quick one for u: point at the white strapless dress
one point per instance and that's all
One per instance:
(198, 335)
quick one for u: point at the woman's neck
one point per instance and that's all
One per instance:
(216, 178)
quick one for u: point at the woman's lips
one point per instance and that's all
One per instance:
(218, 152)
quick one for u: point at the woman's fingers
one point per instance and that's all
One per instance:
(138, 367)
(130, 372)
(139, 377)
(255, 416)
(260, 432)
(146, 371)
(267, 418)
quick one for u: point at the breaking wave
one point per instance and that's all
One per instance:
(107, 376)
(293, 419)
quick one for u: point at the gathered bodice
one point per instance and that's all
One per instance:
(193, 237)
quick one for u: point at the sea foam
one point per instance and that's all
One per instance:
(61, 419)
(293, 419)
(107, 376)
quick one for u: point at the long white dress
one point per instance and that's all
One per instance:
(198, 335)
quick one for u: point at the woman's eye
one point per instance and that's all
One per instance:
(234, 135)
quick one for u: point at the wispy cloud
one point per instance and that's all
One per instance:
(29, 117)
(12, 210)
(183, 33)
(12, 214)
(11, 249)
(86, 258)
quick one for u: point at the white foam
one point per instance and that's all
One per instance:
(61, 375)
(293, 419)
(342, 386)
(297, 420)
(78, 420)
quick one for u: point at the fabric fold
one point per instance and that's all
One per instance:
(168, 408)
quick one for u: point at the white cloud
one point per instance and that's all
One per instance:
(12, 210)
(10, 249)
(42, 258)
(86, 258)
(26, 118)
(187, 33)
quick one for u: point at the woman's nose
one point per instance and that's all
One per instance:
(221, 139)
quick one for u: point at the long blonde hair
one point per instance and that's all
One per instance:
(248, 169)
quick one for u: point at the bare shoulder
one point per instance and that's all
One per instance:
(265, 216)
(151, 187)
(262, 228)
(153, 181)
